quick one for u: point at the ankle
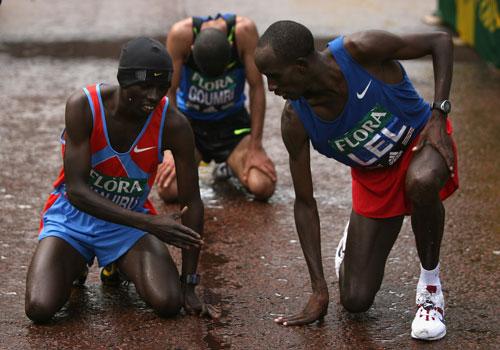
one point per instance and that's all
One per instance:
(429, 277)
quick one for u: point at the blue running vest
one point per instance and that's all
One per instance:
(378, 122)
(206, 98)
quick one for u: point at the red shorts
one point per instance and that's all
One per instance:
(380, 193)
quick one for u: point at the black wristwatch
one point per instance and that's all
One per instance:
(192, 279)
(443, 106)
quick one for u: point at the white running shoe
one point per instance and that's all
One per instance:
(428, 323)
(339, 254)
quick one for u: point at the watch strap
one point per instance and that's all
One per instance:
(443, 106)
(192, 279)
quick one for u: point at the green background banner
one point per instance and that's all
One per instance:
(477, 22)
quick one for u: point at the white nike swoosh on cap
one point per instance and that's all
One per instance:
(362, 94)
(139, 150)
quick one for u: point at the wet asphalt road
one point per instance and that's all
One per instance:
(252, 263)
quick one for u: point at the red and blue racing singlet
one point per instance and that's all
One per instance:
(124, 178)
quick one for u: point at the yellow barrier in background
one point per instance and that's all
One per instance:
(477, 22)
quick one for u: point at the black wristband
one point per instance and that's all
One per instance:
(192, 279)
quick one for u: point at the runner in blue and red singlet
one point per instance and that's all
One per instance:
(354, 102)
(113, 141)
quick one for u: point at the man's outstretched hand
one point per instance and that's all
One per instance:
(167, 229)
(315, 309)
(257, 158)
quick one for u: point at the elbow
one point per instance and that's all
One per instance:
(444, 40)
(441, 48)
(75, 196)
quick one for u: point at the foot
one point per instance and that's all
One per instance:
(339, 254)
(428, 323)
(222, 172)
(110, 276)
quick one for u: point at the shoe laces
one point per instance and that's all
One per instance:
(425, 301)
(428, 305)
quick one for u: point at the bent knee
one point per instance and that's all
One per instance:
(260, 185)
(38, 311)
(423, 185)
(168, 305)
(356, 301)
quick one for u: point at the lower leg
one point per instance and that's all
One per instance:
(428, 225)
(150, 267)
(426, 176)
(369, 242)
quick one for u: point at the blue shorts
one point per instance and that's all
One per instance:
(92, 237)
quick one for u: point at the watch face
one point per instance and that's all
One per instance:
(445, 106)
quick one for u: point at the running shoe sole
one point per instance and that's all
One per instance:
(437, 337)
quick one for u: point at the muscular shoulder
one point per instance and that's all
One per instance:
(182, 28)
(77, 97)
(180, 37)
(369, 46)
(246, 32)
(78, 115)
(356, 44)
(77, 104)
(292, 130)
(290, 121)
(244, 25)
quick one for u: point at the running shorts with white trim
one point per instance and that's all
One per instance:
(90, 236)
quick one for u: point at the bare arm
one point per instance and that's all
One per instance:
(246, 39)
(305, 210)
(306, 217)
(178, 137)
(378, 47)
(179, 41)
(77, 166)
